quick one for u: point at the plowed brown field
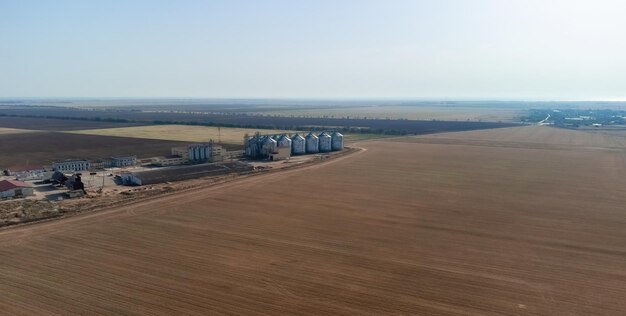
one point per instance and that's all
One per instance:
(404, 228)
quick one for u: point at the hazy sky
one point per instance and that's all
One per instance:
(497, 49)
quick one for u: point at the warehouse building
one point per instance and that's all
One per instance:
(281, 153)
(168, 161)
(201, 152)
(27, 172)
(182, 173)
(123, 161)
(14, 188)
(71, 165)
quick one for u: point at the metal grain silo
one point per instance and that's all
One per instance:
(325, 142)
(336, 141)
(252, 146)
(268, 146)
(312, 143)
(208, 150)
(190, 152)
(193, 152)
(298, 145)
(284, 141)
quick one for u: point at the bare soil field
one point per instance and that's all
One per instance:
(181, 133)
(617, 130)
(46, 124)
(402, 228)
(42, 148)
(543, 137)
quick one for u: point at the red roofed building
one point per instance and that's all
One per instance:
(14, 188)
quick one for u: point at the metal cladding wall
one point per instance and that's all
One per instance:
(325, 142)
(284, 141)
(199, 152)
(268, 147)
(298, 145)
(252, 147)
(259, 147)
(312, 143)
(190, 153)
(337, 141)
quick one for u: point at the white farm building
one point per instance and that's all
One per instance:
(14, 188)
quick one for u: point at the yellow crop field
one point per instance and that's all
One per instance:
(180, 133)
(6, 131)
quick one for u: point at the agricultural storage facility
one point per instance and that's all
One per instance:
(200, 152)
(71, 165)
(312, 143)
(13, 188)
(179, 173)
(298, 145)
(271, 146)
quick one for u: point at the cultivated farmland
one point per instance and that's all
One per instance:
(47, 124)
(6, 131)
(180, 133)
(462, 225)
(42, 148)
(529, 137)
(254, 121)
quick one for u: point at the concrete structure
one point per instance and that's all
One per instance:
(180, 173)
(201, 152)
(325, 142)
(182, 152)
(14, 188)
(218, 153)
(281, 153)
(129, 178)
(100, 164)
(336, 141)
(71, 165)
(28, 173)
(298, 145)
(123, 161)
(168, 161)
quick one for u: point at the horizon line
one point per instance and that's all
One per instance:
(424, 99)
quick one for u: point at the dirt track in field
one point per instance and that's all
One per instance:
(406, 227)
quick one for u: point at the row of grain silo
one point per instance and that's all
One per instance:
(200, 152)
(263, 146)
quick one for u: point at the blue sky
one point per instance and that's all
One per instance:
(478, 49)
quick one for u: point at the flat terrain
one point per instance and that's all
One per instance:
(529, 137)
(465, 227)
(180, 133)
(43, 148)
(6, 131)
(422, 112)
(252, 121)
(46, 124)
